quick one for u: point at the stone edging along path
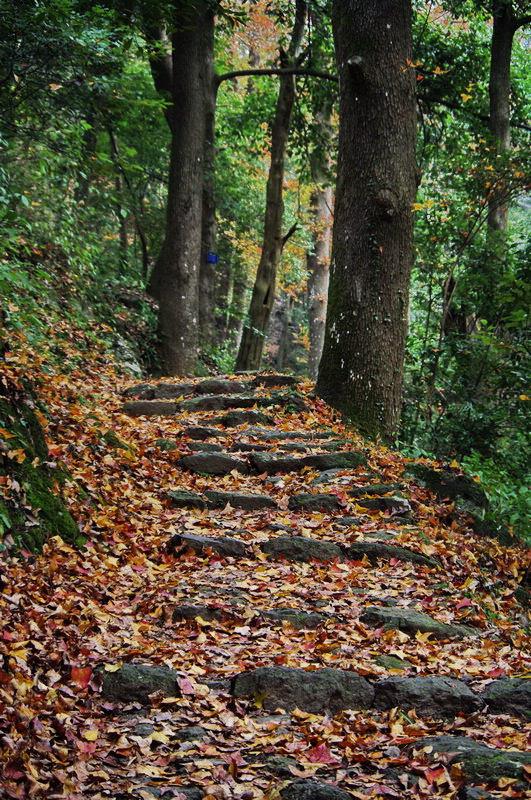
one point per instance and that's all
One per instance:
(258, 451)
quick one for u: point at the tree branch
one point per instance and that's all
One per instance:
(454, 106)
(521, 22)
(242, 73)
(287, 236)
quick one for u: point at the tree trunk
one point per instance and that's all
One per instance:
(252, 343)
(362, 365)
(177, 275)
(319, 258)
(503, 30)
(208, 270)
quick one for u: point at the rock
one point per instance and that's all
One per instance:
(487, 765)
(143, 729)
(314, 502)
(180, 498)
(134, 683)
(225, 545)
(166, 444)
(281, 436)
(375, 489)
(474, 793)
(438, 745)
(393, 504)
(142, 391)
(207, 447)
(172, 391)
(235, 418)
(320, 691)
(326, 477)
(191, 733)
(313, 790)
(247, 447)
(430, 696)
(411, 621)
(299, 619)
(509, 696)
(281, 766)
(213, 463)
(392, 662)
(271, 463)
(376, 550)
(150, 408)
(347, 522)
(220, 386)
(249, 502)
(269, 380)
(200, 432)
(301, 548)
(190, 612)
(218, 402)
(293, 447)
(448, 484)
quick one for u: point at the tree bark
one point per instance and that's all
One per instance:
(177, 275)
(208, 270)
(503, 30)
(319, 272)
(252, 343)
(361, 370)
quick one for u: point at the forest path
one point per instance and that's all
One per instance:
(272, 609)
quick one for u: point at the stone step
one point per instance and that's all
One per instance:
(213, 464)
(301, 548)
(411, 621)
(479, 763)
(270, 380)
(248, 502)
(151, 408)
(271, 464)
(301, 620)
(233, 419)
(378, 489)
(391, 503)
(201, 432)
(315, 502)
(271, 434)
(222, 402)
(375, 550)
(172, 391)
(224, 545)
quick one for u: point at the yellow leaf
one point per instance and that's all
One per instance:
(112, 667)
(523, 397)
(91, 735)
(454, 464)
(466, 97)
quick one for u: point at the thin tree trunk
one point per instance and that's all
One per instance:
(319, 269)
(361, 369)
(178, 271)
(252, 343)
(503, 30)
(208, 269)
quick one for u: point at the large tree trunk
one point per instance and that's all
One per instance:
(252, 343)
(361, 368)
(208, 269)
(503, 31)
(177, 276)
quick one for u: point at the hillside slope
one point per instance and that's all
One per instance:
(267, 606)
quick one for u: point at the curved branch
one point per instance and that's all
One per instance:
(242, 73)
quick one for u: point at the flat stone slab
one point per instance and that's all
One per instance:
(134, 683)
(393, 504)
(225, 545)
(411, 621)
(313, 790)
(213, 463)
(181, 498)
(235, 418)
(429, 696)
(207, 447)
(299, 619)
(479, 762)
(150, 408)
(219, 402)
(159, 391)
(200, 432)
(509, 696)
(318, 692)
(272, 435)
(270, 380)
(191, 612)
(376, 550)
(271, 463)
(378, 489)
(220, 386)
(314, 502)
(249, 502)
(301, 548)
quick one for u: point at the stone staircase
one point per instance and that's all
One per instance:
(238, 449)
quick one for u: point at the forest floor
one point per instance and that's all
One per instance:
(129, 666)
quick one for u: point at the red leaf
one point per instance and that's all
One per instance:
(81, 676)
(186, 686)
(321, 755)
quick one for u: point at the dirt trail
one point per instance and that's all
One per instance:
(267, 607)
